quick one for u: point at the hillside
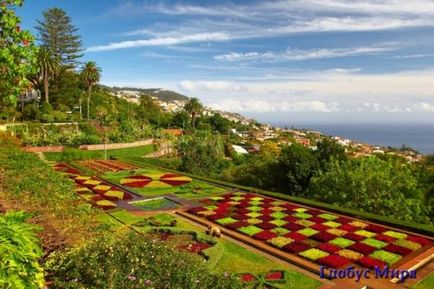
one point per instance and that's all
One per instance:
(162, 94)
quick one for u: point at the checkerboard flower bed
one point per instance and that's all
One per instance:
(334, 261)
(319, 236)
(159, 180)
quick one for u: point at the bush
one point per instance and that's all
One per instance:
(131, 261)
(19, 251)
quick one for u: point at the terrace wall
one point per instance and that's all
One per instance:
(46, 149)
(112, 146)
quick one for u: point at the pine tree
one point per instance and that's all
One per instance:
(58, 34)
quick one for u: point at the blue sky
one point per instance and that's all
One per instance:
(295, 60)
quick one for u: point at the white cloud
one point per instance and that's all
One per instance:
(424, 106)
(196, 86)
(158, 41)
(264, 106)
(298, 55)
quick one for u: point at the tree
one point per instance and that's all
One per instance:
(57, 33)
(90, 75)
(327, 149)
(194, 107)
(385, 187)
(201, 152)
(295, 167)
(48, 67)
(20, 251)
(17, 54)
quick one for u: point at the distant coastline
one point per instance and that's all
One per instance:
(419, 136)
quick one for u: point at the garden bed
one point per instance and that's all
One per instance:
(155, 204)
(318, 236)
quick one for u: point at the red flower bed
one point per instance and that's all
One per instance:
(235, 226)
(242, 211)
(266, 212)
(362, 248)
(295, 236)
(195, 247)
(385, 238)
(264, 235)
(327, 247)
(314, 213)
(370, 263)
(354, 237)
(375, 228)
(348, 227)
(317, 219)
(72, 171)
(265, 218)
(291, 206)
(268, 200)
(274, 276)
(320, 227)
(137, 184)
(247, 277)
(266, 226)
(175, 183)
(296, 247)
(170, 175)
(334, 261)
(420, 240)
(216, 217)
(293, 226)
(343, 220)
(324, 237)
(397, 249)
(241, 217)
(290, 219)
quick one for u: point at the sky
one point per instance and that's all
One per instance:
(277, 61)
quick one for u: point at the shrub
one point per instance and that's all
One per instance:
(385, 256)
(279, 242)
(129, 262)
(313, 254)
(19, 251)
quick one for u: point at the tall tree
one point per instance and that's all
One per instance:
(57, 33)
(17, 54)
(194, 107)
(90, 75)
(48, 66)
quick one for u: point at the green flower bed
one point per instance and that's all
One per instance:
(279, 241)
(385, 256)
(278, 222)
(254, 214)
(332, 224)
(313, 254)
(302, 215)
(278, 215)
(408, 244)
(226, 221)
(374, 243)
(396, 235)
(365, 233)
(280, 231)
(250, 230)
(341, 242)
(328, 216)
(254, 208)
(305, 223)
(307, 232)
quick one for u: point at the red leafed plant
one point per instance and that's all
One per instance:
(330, 248)
(247, 277)
(397, 249)
(274, 276)
(370, 263)
(420, 240)
(362, 248)
(264, 235)
(333, 261)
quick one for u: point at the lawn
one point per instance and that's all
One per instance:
(224, 256)
(321, 237)
(72, 154)
(152, 182)
(156, 204)
(426, 283)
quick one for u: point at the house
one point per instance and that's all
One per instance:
(239, 150)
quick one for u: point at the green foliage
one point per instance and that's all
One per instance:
(19, 251)
(17, 54)
(201, 152)
(194, 107)
(58, 34)
(48, 67)
(131, 261)
(385, 187)
(328, 149)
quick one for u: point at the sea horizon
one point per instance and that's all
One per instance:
(417, 135)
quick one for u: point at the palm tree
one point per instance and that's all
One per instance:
(194, 107)
(90, 75)
(48, 66)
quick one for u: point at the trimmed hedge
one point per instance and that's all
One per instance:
(406, 225)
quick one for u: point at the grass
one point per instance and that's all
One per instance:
(426, 283)
(71, 154)
(157, 204)
(193, 189)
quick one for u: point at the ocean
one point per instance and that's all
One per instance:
(419, 136)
